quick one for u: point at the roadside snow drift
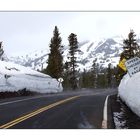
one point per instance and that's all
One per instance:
(14, 77)
(129, 91)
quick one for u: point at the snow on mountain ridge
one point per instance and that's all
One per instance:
(105, 50)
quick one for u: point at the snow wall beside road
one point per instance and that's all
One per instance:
(129, 92)
(14, 77)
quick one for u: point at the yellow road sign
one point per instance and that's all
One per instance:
(122, 64)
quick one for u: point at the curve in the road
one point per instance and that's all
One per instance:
(25, 117)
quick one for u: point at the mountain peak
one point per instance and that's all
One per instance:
(105, 50)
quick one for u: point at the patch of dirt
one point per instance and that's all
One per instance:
(23, 92)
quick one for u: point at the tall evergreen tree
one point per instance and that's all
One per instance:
(130, 50)
(109, 75)
(66, 83)
(73, 44)
(55, 60)
(1, 51)
(130, 46)
(101, 80)
(94, 75)
(84, 79)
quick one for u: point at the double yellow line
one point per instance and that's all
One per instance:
(16, 121)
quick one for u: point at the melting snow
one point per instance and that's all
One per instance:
(129, 91)
(119, 123)
(14, 77)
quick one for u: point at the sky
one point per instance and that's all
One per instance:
(25, 32)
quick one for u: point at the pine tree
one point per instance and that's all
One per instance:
(66, 83)
(101, 81)
(73, 44)
(94, 75)
(109, 75)
(130, 49)
(130, 46)
(55, 60)
(84, 79)
(1, 51)
(114, 77)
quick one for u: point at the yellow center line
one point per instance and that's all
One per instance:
(25, 117)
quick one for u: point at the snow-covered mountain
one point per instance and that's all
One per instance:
(104, 50)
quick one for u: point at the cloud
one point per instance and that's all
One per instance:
(29, 31)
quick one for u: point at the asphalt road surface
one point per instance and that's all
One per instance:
(68, 110)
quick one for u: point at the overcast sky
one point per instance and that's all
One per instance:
(24, 32)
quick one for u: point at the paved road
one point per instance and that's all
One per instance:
(69, 110)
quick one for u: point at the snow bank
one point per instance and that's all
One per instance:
(14, 77)
(129, 91)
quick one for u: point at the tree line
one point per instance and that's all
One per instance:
(73, 78)
(96, 77)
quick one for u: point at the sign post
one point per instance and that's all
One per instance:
(60, 80)
(122, 64)
(133, 66)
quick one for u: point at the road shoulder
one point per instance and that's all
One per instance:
(120, 116)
